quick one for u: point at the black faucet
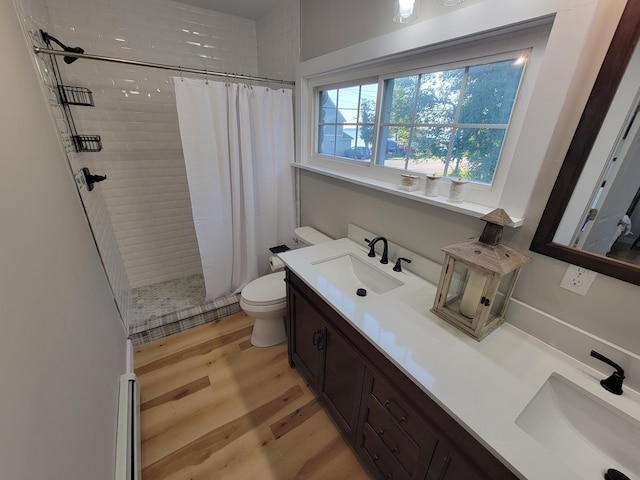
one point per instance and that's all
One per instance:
(398, 266)
(614, 382)
(372, 248)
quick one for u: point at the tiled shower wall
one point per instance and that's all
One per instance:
(146, 193)
(278, 36)
(34, 16)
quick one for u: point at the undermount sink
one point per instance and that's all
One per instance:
(583, 431)
(350, 273)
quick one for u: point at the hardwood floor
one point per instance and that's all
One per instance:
(215, 407)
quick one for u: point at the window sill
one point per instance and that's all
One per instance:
(465, 208)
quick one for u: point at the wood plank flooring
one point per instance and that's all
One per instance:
(215, 407)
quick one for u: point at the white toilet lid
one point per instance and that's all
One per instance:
(266, 290)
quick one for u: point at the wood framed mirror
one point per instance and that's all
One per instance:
(545, 241)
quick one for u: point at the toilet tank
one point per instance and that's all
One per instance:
(310, 236)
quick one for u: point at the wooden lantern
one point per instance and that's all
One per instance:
(477, 280)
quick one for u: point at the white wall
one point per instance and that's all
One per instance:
(146, 193)
(62, 346)
(610, 308)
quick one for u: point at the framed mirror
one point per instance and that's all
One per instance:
(597, 192)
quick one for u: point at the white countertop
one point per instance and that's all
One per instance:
(483, 385)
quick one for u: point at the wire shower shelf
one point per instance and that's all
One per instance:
(75, 96)
(87, 143)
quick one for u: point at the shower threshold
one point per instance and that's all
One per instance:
(165, 308)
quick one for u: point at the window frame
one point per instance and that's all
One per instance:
(493, 58)
(479, 197)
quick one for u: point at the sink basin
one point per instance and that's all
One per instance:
(586, 433)
(349, 273)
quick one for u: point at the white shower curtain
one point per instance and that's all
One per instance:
(238, 148)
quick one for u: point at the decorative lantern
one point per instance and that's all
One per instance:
(478, 278)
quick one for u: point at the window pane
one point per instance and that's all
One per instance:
(439, 97)
(327, 139)
(326, 122)
(490, 93)
(426, 153)
(348, 102)
(475, 153)
(403, 96)
(346, 123)
(328, 110)
(451, 122)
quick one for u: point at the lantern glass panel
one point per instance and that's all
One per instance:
(498, 304)
(465, 290)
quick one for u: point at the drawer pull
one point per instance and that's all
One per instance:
(398, 418)
(393, 450)
(386, 475)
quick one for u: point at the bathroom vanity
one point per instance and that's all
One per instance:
(395, 428)
(418, 399)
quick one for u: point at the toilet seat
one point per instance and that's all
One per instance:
(267, 290)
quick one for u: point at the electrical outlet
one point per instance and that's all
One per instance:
(577, 279)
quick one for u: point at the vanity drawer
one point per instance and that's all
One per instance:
(392, 437)
(379, 458)
(404, 417)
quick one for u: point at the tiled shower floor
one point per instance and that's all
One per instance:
(175, 305)
(165, 298)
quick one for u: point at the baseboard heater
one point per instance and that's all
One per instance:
(128, 465)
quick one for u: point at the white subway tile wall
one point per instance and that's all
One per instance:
(35, 17)
(278, 36)
(146, 193)
(141, 216)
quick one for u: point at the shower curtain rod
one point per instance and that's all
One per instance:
(175, 68)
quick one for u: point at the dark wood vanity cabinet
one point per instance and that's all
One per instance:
(393, 439)
(327, 360)
(395, 428)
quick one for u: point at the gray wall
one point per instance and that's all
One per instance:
(609, 310)
(328, 26)
(62, 346)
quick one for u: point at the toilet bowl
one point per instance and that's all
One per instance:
(265, 298)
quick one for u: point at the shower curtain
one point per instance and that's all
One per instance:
(238, 149)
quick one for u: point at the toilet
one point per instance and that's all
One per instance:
(265, 298)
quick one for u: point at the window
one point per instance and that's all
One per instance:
(463, 108)
(450, 121)
(346, 121)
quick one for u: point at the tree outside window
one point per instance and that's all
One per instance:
(452, 122)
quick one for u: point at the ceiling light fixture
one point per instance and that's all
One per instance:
(405, 11)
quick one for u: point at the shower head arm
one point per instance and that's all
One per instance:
(48, 38)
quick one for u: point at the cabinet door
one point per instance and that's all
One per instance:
(342, 379)
(307, 332)
(450, 465)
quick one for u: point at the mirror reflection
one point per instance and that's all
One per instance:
(603, 215)
(592, 217)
